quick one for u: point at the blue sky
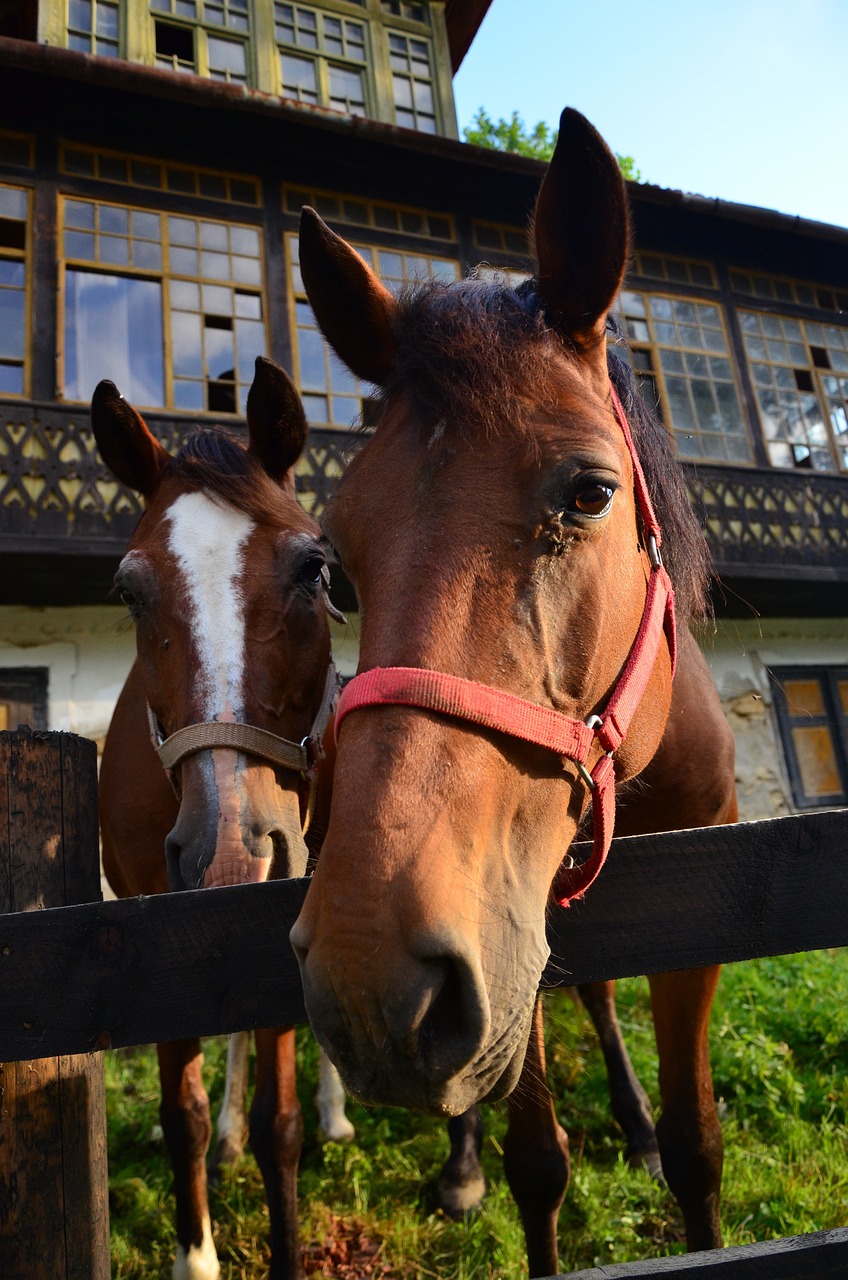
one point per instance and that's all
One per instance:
(742, 99)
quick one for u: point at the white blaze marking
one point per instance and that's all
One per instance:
(207, 540)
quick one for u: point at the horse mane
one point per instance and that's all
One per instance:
(472, 352)
(214, 461)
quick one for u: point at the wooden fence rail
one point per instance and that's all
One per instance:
(85, 977)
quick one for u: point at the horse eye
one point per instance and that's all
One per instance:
(131, 600)
(310, 571)
(592, 499)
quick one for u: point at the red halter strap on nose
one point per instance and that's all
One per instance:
(573, 740)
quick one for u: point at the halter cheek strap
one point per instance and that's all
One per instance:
(570, 739)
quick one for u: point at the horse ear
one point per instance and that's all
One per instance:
(132, 454)
(276, 422)
(582, 232)
(353, 309)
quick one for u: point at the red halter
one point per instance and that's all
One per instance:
(571, 739)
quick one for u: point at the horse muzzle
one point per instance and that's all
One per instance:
(236, 825)
(419, 1038)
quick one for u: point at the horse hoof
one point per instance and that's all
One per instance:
(458, 1201)
(649, 1161)
(341, 1130)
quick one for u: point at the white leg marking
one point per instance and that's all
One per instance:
(333, 1124)
(232, 1120)
(201, 1262)
(208, 540)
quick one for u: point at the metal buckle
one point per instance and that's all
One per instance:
(591, 722)
(654, 552)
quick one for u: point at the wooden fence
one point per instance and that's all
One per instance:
(93, 975)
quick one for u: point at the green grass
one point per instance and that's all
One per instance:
(780, 1067)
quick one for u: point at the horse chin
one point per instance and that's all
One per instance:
(378, 1082)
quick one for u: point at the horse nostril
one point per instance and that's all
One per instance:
(185, 871)
(457, 1017)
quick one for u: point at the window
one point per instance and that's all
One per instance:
(493, 235)
(332, 396)
(14, 207)
(655, 266)
(800, 374)
(23, 697)
(94, 26)
(191, 43)
(682, 362)
(412, 82)
(371, 213)
(330, 63)
(140, 286)
(110, 166)
(779, 289)
(412, 10)
(812, 712)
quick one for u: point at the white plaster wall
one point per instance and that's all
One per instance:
(87, 652)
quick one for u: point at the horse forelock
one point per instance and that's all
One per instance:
(212, 461)
(472, 356)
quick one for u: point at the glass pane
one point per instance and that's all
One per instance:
(213, 235)
(113, 328)
(186, 340)
(188, 395)
(11, 324)
(816, 761)
(804, 697)
(79, 15)
(11, 379)
(220, 353)
(246, 240)
(78, 213)
(311, 360)
(227, 55)
(250, 343)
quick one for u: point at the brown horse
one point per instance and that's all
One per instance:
(224, 580)
(517, 554)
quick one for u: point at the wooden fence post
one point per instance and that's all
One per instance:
(54, 1208)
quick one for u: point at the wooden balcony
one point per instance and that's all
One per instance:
(64, 521)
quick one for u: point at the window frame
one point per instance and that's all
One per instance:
(294, 296)
(323, 60)
(25, 256)
(165, 276)
(837, 447)
(836, 722)
(656, 375)
(34, 683)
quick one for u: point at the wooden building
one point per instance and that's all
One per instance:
(154, 156)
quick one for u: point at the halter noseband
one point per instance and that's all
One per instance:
(300, 757)
(544, 726)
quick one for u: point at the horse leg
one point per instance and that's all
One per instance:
(688, 1130)
(276, 1137)
(630, 1105)
(536, 1158)
(333, 1124)
(460, 1186)
(232, 1118)
(184, 1113)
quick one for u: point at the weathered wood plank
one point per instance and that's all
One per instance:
(822, 1256)
(708, 896)
(54, 1208)
(204, 963)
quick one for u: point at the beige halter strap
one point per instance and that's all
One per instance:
(298, 756)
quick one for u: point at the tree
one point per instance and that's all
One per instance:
(538, 143)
